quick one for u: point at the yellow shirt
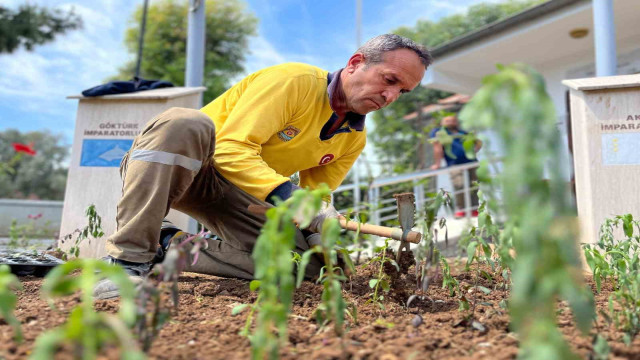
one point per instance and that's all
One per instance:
(268, 127)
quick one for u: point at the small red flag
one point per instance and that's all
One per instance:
(23, 148)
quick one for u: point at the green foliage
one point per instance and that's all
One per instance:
(333, 306)
(41, 176)
(152, 313)
(87, 331)
(433, 34)
(32, 25)
(274, 268)
(381, 282)
(253, 286)
(402, 144)
(619, 262)
(20, 235)
(426, 254)
(539, 214)
(9, 283)
(229, 26)
(92, 230)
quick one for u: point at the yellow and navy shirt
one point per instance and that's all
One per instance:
(275, 123)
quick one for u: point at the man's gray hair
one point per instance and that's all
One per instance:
(374, 48)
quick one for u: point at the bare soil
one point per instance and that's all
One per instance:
(431, 328)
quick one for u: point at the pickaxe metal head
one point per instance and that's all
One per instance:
(406, 212)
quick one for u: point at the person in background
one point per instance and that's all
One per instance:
(452, 128)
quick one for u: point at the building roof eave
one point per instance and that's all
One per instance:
(497, 27)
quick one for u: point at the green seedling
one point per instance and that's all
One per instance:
(333, 307)
(618, 261)
(92, 229)
(539, 215)
(151, 312)
(9, 283)
(86, 331)
(253, 286)
(274, 269)
(380, 283)
(426, 254)
(452, 284)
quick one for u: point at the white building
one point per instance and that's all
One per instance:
(556, 38)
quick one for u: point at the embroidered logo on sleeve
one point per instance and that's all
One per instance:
(288, 133)
(326, 159)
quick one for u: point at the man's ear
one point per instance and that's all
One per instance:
(355, 61)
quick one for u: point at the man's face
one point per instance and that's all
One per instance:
(450, 122)
(371, 87)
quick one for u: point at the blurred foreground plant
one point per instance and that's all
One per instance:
(87, 331)
(274, 268)
(539, 213)
(8, 284)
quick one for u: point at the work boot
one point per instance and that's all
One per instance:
(107, 289)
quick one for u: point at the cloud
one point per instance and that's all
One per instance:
(263, 54)
(34, 85)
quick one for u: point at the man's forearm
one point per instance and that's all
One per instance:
(438, 154)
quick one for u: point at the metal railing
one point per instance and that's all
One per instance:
(381, 205)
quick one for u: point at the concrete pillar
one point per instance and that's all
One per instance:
(105, 129)
(605, 38)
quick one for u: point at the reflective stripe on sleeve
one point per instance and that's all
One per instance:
(166, 158)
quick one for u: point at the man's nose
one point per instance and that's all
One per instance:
(390, 95)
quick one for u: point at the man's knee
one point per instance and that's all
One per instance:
(183, 121)
(188, 132)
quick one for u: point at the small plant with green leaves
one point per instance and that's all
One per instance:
(618, 261)
(253, 286)
(151, 312)
(486, 245)
(20, 235)
(451, 283)
(426, 254)
(9, 283)
(333, 306)
(539, 215)
(92, 229)
(380, 284)
(274, 268)
(86, 331)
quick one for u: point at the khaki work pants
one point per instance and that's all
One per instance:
(170, 166)
(457, 180)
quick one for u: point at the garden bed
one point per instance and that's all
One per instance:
(204, 328)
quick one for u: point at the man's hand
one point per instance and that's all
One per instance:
(435, 166)
(327, 211)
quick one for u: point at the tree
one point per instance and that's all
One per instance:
(229, 26)
(32, 25)
(41, 176)
(402, 145)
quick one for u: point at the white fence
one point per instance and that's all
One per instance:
(383, 204)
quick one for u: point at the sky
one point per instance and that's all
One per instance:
(34, 85)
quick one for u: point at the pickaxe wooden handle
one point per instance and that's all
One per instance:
(383, 231)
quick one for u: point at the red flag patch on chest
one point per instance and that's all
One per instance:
(288, 133)
(326, 159)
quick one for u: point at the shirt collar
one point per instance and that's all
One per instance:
(356, 121)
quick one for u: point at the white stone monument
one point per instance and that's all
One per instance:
(605, 122)
(105, 129)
